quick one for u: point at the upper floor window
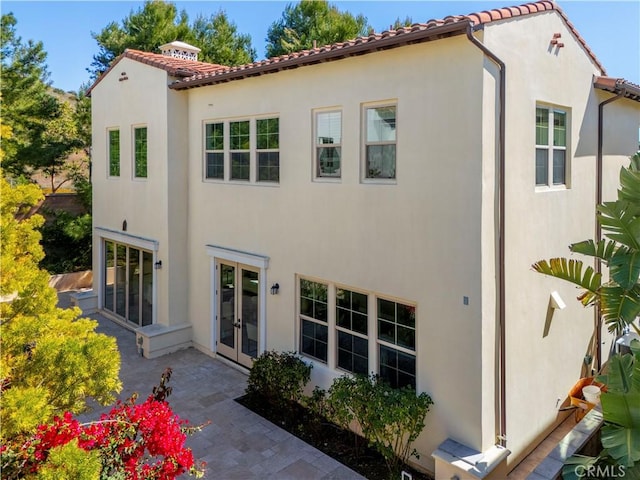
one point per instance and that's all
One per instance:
(114, 152)
(267, 149)
(328, 140)
(240, 144)
(214, 150)
(140, 152)
(551, 146)
(380, 142)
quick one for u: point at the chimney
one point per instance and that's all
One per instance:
(180, 50)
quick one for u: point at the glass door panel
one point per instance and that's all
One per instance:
(121, 280)
(109, 277)
(227, 315)
(134, 286)
(250, 313)
(147, 288)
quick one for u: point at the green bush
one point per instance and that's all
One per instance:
(390, 419)
(279, 377)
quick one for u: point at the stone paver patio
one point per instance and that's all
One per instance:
(238, 444)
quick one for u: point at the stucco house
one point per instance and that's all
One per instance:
(375, 205)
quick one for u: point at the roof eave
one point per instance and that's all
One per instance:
(321, 55)
(619, 86)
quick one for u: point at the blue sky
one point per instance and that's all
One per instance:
(611, 28)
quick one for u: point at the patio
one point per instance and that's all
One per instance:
(238, 444)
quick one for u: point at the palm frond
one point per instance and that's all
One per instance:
(619, 306)
(620, 222)
(571, 271)
(624, 267)
(604, 249)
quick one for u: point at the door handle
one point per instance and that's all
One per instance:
(238, 324)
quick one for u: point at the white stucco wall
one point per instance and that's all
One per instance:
(154, 207)
(417, 240)
(540, 222)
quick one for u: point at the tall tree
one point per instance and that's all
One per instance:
(220, 42)
(27, 104)
(312, 20)
(159, 22)
(50, 360)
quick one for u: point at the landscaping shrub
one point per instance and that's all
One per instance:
(390, 419)
(279, 377)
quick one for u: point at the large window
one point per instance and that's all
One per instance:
(140, 152)
(214, 150)
(114, 152)
(358, 332)
(240, 144)
(328, 141)
(397, 343)
(380, 142)
(128, 282)
(551, 146)
(313, 319)
(351, 329)
(267, 149)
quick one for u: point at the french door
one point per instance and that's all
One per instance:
(128, 282)
(238, 311)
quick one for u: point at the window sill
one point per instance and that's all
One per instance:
(327, 179)
(379, 181)
(553, 188)
(246, 183)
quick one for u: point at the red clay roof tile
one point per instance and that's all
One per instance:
(196, 74)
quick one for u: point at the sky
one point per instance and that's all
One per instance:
(611, 28)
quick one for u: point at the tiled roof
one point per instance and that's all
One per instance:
(619, 86)
(176, 67)
(418, 32)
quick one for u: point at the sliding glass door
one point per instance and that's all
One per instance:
(128, 282)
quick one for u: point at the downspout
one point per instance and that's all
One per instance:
(502, 398)
(598, 263)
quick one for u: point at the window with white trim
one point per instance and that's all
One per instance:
(240, 145)
(314, 329)
(328, 143)
(352, 326)
(214, 150)
(551, 146)
(267, 149)
(140, 152)
(358, 332)
(380, 142)
(114, 152)
(396, 343)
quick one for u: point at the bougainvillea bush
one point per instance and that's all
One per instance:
(134, 441)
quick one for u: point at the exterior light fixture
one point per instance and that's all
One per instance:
(274, 289)
(557, 302)
(158, 265)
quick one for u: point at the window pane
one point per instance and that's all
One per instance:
(215, 165)
(267, 133)
(114, 153)
(559, 167)
(240, 166)
(268, 167)
(396, 323)
(542, 166)
(397, 368)
(328, 161)
(140, 153)
(329, 128)
(559, 129)
(386, 309)
(381, 161)
(239, 135)
(542, 126)
(109, 272)
(381, 124)
(313, 300)
(313, 340)
(214, 136)
(353, 353)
